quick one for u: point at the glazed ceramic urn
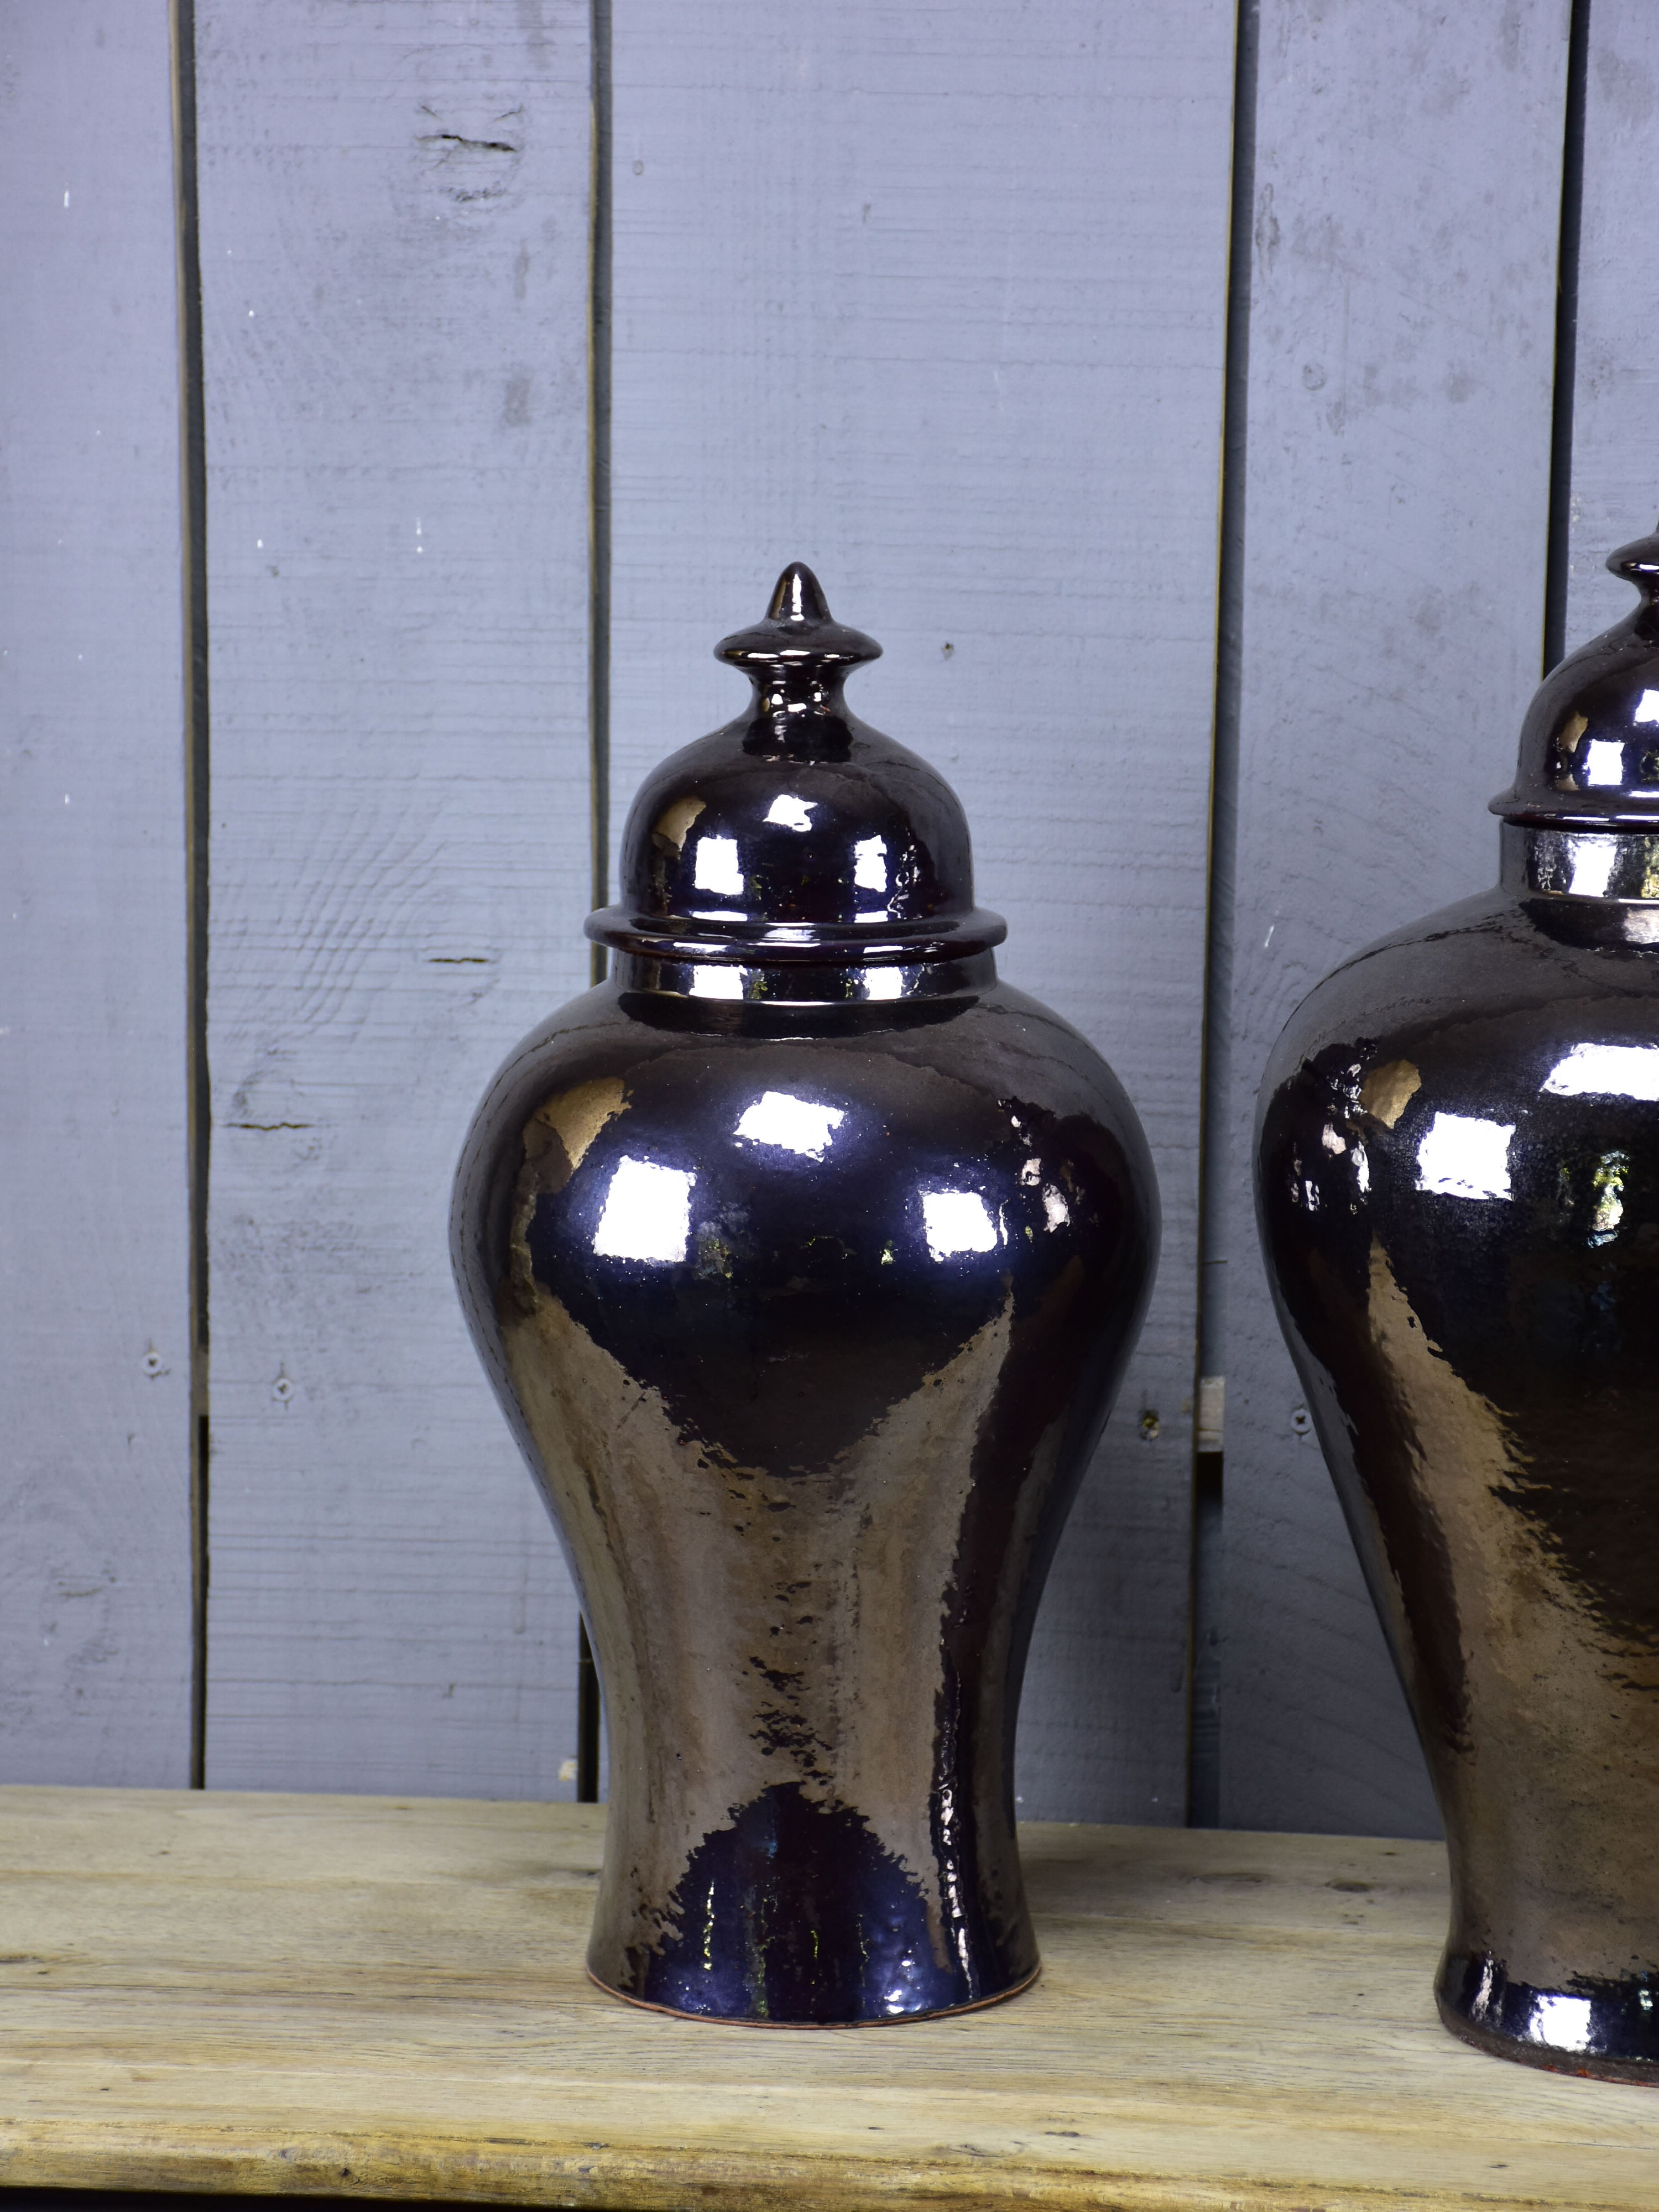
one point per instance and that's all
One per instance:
(1458, 1185)
(806, 1256)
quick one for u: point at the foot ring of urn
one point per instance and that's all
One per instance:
(1607, 2031)
(868, 2020)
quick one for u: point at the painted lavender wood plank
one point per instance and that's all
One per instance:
(394, 203)
(1615, 407)
(96, 1641)
(934, 299)
(1401, 337)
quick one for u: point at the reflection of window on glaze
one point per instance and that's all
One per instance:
(789, 813)
(1563, 2022)
(647, 1214)
(1592, 865)
(793, 1125)
(710, 981)
(1605, 1071)
(716, 866)
(870, 864)
(1464, 1156)
(1604, 764)
(957, 1221)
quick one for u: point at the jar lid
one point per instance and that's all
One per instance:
(1589, 745)
(796, 833)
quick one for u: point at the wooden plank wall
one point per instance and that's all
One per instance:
(95, 1642)
(394, 260)
(935, 297)
(937, 304)
(1396, 509)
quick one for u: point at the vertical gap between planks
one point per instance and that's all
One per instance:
(599, 467)
(1557, 572)
(589, 1718)
(1204, 1716)
(193, 547)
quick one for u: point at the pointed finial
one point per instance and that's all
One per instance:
(798, 596)
(798, 633)
(798, 656)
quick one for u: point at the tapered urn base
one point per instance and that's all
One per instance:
(794, 1913)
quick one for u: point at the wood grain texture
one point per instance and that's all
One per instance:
(373, 1998)
(1615, 403)
(1402, 341)
(94, 1312)
(393, 205)
(934, 299)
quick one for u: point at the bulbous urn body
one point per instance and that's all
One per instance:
(804, 1256)
(1458, 1189)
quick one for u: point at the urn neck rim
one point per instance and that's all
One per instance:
(1612, 866)
(729, 983)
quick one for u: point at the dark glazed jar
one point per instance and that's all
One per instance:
(805, 1257)
(1458, 1186)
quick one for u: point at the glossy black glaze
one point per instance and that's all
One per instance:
(1458, 1187)
(806, 1256)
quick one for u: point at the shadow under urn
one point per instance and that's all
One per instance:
(805, 1257)
(1458, 1187)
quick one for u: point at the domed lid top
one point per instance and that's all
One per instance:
(796, 833)
(1589, 745)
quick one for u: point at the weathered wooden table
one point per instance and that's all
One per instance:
(345, 1995)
